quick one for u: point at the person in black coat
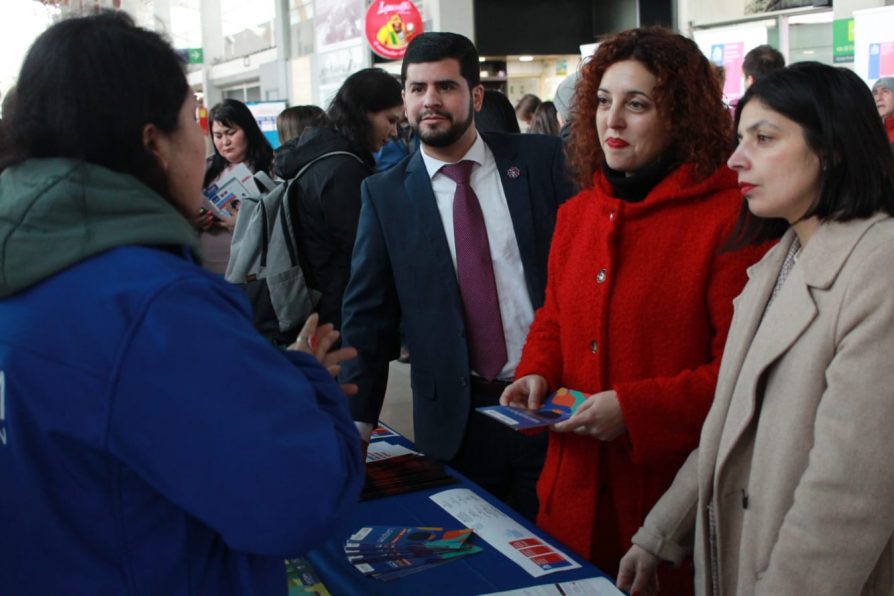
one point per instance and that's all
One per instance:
(325, 200)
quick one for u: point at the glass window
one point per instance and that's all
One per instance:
(810, 41)
(301, 27)
(247, 26)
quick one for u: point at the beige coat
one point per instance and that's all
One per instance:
(796, 457)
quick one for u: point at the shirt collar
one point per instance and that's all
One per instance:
(475, 153)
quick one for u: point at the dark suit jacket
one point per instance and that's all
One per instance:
(402, 270)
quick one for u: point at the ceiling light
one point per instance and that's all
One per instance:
(526, 58)
(811, 18)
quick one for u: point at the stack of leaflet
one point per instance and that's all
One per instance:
(389, 552)
(402, 474)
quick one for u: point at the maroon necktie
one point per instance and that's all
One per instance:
(475, 272)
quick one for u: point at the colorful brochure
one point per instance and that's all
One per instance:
(558, 407)
(235, 186)
(303, 579)
(389, 552)
(396, 537)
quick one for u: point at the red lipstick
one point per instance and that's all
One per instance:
(745, 188)
(616, 143)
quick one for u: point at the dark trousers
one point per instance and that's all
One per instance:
(504, 462)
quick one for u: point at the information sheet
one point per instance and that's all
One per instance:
(528, 551)
(593, 586)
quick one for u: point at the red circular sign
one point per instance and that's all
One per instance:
(390, 25)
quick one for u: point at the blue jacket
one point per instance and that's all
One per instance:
(151, 442)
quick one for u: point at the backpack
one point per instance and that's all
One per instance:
(265, 261)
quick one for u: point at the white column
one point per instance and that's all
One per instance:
(212, 47)
(455, 16)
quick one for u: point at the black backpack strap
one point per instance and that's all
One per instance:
(265, 245)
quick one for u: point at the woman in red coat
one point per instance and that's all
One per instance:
(640, 292)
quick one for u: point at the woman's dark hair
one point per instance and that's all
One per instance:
(496, 114)
(367, 90)
(837, 114)
(686, 94)
(87, 88)
(526, 107)
(545, 120)
(291, 122)
(259, 153)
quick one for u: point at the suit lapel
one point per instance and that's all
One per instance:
(514, 175)
(422, 199)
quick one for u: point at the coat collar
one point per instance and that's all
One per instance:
(831, 246)
(758, 338)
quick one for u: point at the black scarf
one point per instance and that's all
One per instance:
(636, 187)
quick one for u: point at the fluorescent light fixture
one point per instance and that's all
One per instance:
(482, 59)
(811, 19)
(526, 58)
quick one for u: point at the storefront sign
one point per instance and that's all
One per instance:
(842, 40)
(390, 25)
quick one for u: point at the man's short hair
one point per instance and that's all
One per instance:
(761, 61)
(434, 47)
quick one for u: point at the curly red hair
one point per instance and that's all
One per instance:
(687, 95)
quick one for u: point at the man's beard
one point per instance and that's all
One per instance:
(444, 138)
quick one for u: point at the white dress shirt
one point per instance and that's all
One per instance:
(515, 303)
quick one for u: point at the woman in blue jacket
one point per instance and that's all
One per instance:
(150, 440)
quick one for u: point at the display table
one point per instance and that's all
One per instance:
(488, 571)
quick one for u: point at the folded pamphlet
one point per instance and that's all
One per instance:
(558, 407)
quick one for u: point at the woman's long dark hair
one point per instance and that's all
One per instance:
(837, 113)
(259, 153)
(365, 91)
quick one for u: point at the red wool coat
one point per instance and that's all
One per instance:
(638, 300)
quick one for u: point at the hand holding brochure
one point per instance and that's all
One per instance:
(237, 184)
(558, 407)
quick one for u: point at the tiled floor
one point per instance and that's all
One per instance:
(397, 410)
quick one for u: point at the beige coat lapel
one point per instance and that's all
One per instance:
(791, 313)
(748, 310)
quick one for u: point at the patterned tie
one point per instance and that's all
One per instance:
(475, 271)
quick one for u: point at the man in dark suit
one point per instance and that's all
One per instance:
(453, 242)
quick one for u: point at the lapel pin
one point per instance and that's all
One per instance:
(513, 172)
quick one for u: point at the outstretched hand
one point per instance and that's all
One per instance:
(317, 340)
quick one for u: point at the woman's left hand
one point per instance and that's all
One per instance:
(600, 417)
(318, 341)
(227, 222)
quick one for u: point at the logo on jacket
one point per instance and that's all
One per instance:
(2, 408)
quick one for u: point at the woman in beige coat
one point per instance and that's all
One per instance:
(791, 490)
